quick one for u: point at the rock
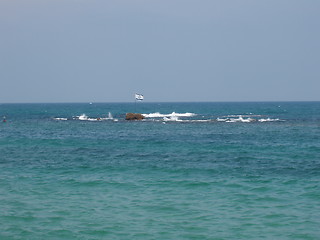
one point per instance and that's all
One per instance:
(134, 116)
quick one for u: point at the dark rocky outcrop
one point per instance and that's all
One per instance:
(134, 116)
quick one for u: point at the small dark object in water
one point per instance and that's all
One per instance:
(134, 116)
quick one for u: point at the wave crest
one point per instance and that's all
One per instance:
(170, 115)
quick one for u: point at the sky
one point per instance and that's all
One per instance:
(168, 50)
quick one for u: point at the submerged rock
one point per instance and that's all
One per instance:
(134, 116)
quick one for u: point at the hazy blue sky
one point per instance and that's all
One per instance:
(169, 50)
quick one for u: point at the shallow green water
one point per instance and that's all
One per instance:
(160, 179)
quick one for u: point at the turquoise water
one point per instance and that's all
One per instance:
(226, 171)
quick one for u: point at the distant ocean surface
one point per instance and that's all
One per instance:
(188, 171)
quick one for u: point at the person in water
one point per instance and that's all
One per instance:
(4, 119)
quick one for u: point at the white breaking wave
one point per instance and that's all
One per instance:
(173, 114)
(172, 119)
(175, 117)
(110, 117)
(269, 120)
(83, 117)
(61, 119)
(242, 115)
(222, 119)
(238, 119)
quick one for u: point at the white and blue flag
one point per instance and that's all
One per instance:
(139, 97)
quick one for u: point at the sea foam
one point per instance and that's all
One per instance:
(173, 114)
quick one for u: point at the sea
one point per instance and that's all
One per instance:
(221, 170)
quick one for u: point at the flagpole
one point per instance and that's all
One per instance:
(135, 105)
(138, 97)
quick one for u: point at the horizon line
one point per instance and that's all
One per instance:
(126, 102)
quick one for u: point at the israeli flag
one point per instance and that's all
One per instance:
(139, 97)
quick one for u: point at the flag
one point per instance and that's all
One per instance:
(139, 97)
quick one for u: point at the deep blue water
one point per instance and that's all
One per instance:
(227, 171)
